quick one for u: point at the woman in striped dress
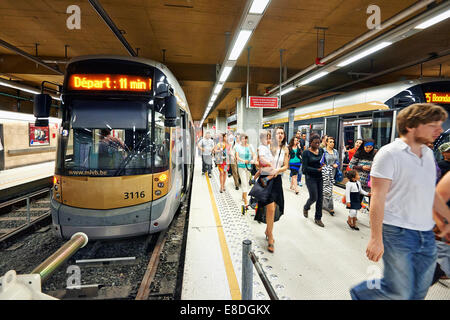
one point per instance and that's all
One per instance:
(331, 160)
(362, 162)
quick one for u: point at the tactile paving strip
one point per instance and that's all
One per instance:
(237, 229)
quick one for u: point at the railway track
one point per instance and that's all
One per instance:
(20, 214)
(142, 268)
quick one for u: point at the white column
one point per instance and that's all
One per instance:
(249, 120)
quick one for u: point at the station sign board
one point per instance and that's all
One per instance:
(437, 97)
(263, 102)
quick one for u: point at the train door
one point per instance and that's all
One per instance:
(184, 152)
(383, 128)
(332, 127)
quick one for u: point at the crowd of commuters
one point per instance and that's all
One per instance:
(408, 188)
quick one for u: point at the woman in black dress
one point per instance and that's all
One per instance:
(274, 188)
(313, 161)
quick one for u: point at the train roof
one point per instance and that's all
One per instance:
(172, 80)
(376, 95)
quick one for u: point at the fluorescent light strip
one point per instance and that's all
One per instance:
(258, 6)
(432, 21)
(20, 88)
(315, 77)
(284, 91)
(365, 53)
(241, 40)
(214, 97)
(218, 88)
(225, 73)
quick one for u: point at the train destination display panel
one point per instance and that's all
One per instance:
(109, 82)
(438, 97)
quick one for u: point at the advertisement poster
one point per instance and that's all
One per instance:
(39, 136)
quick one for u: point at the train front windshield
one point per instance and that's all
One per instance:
(112, 138)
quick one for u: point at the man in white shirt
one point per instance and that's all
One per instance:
(403, 180)
(206, 145)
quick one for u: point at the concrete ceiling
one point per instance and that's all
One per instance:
(193, 34)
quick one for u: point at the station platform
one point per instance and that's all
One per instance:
(309, 262)
(21, 175)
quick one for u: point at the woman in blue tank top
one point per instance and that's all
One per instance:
(295, 161)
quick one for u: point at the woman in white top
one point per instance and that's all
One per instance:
(275, 200)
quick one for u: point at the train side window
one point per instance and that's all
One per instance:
(161, 142)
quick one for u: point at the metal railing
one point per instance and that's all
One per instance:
(249, 258)
(26, 197)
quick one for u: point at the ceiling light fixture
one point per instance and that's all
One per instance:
(218, 88)
(252, 14)
(258, 6)
(432, 21)
(364, 53)
(241, 40)
(286, 90)
(225, 73)
(314, 77)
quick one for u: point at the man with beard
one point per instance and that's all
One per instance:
(401, 213)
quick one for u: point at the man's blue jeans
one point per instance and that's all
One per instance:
(409, 262)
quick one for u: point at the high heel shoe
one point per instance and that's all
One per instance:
(271, 247)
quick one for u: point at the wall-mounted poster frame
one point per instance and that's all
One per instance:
(39, 136)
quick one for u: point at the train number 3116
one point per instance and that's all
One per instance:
(134, 195)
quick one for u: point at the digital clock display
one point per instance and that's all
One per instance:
(109, 82)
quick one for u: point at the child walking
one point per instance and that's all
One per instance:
(353, 191)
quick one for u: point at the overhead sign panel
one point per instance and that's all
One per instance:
(263, 102)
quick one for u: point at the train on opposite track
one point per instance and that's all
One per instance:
(366, 113)
(124, 160)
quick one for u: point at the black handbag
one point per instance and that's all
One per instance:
(260, 214)
(260, 193)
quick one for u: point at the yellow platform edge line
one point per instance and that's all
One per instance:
(231, 275)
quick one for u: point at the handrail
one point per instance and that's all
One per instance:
(25, 197)
(247, 273)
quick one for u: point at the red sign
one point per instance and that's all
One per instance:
(437, 97)
(39, 136)
(263, 102)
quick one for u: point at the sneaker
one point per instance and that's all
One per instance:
(300, 184)
(319, 223)
(237, 188)
(209, 175)
(305, 213)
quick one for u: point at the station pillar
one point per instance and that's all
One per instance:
(209, 126)
(221, 122)
(249, 120)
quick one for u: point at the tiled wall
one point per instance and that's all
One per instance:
(16, 137)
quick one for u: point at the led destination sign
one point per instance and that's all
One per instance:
(109, 82)
(437, 97)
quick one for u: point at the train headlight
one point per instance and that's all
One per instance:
(163, 177)
(55, 180)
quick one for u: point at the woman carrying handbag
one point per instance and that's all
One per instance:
(274, 204)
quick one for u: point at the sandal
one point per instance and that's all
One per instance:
(271, 247)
